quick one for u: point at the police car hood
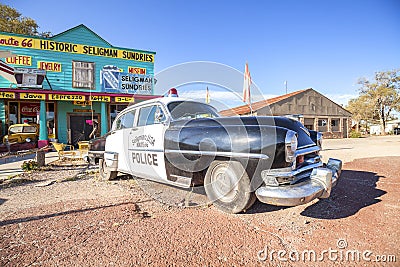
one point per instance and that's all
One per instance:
(303, 135)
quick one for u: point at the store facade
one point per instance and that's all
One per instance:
(72, 84)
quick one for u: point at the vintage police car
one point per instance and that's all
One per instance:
(186, 143)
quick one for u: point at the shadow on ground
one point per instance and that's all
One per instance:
(63, 213)
(354, 191)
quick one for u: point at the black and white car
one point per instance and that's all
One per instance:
(186, 143)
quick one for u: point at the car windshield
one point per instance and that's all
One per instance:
(191, 110)
(16, 129)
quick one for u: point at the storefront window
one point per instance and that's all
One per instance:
(50, 120)
(114, 110)
(83, 74)
(335, 125)
(322, 125)
(13, 113)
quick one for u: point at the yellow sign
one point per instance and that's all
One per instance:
(19, 60)
(82, 103)
(44, 44)
(67, 97)
(124, 99)
(99, 98)
(32, 96)
(49, 66)
(7, 95)
(136, 70)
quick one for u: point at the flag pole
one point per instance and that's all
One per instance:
(246, 88)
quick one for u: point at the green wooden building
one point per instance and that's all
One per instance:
(72, 84)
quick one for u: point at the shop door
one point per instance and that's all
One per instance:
(81, 127)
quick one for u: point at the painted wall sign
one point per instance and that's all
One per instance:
(136, 70)
(136, 83)
(7, 95)
(66, 97)
(81, 103)
(20, 60)
(99, 98)
(32, 96)
(49, 66)
(114, 81)
(44, 44)
(29, 109)
(124, 99)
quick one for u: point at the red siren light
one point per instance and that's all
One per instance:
(172, 92)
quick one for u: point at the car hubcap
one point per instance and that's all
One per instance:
(224, 184)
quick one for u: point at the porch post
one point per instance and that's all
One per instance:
(104, 118)
(42, 125)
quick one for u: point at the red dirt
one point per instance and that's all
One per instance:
(117, 224)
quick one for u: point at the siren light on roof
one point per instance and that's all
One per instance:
(172, 92)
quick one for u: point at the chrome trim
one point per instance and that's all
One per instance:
(319, 185)
(289, 153)
(305, 130)
(219, 153)
(307, 150)
(282, 172)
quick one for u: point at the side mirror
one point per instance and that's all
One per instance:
(158, 115)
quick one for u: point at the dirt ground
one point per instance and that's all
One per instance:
(71, 218)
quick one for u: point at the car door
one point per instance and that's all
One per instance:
(119, 137)
(146, 143)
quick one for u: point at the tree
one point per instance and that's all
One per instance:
(382, 95)
(361, 109)
(12, 21)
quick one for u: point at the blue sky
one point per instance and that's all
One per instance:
(326, 45)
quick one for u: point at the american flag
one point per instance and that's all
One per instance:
(246, 85)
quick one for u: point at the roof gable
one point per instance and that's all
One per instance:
(245, 109)
(81, 35)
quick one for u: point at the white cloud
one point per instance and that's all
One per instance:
(341, 99)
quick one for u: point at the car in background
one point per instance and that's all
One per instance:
(96, 149)
(21, 133)
(396, 131)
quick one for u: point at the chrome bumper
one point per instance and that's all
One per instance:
(111, 160)
(319, 185)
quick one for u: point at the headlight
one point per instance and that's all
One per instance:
(290, 146)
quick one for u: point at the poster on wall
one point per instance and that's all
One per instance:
(113, 80)
(29, 109)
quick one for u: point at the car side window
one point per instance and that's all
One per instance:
(125, 121)
(29, 129)
(151, 115)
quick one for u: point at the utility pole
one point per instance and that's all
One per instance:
(286, 86)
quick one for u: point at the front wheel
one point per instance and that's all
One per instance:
(105, 173)
(227, 185)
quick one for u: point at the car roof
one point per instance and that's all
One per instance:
(164, 100)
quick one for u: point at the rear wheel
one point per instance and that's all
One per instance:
(228, 186)
(105, 173)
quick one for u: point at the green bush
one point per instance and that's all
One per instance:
(354, 134)
(29, 165)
